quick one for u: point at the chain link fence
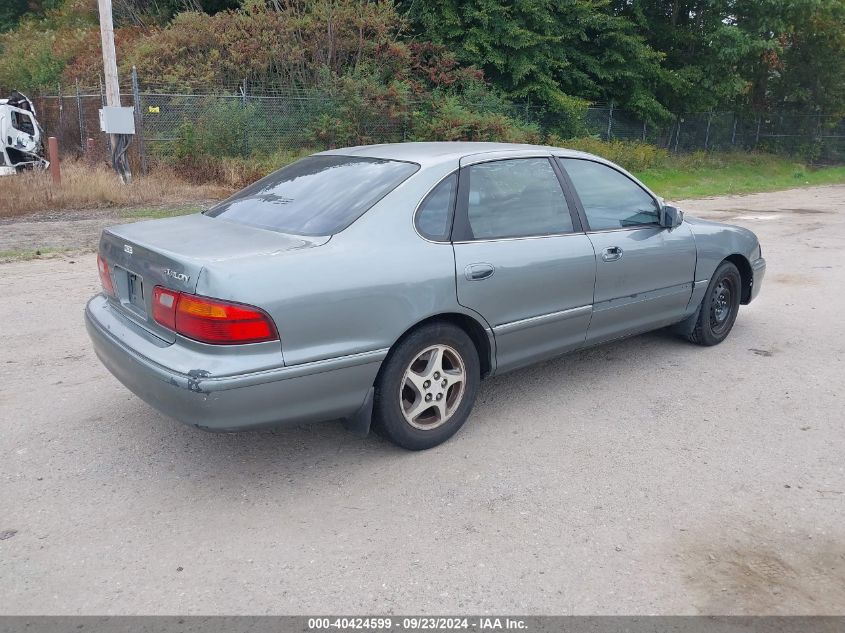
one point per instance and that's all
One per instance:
(241, 121)
(819, 137)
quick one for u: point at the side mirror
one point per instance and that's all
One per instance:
(671, 216)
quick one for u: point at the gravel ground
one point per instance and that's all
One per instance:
(71, 230)
(56, 230)
(647, 476)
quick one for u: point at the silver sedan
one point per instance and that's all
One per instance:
(381, 284)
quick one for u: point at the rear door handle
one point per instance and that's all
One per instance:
(611, 254)
(477, 272)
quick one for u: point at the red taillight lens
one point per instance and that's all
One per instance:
(211, 320)
(164, 307)
(105, 276)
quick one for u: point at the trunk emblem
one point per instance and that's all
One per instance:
(178, 276)
(127, 249)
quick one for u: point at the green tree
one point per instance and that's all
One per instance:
(35, 54)
(799, 60)
(12, 11)
(734, 53)
(701, 45)
(558, 53)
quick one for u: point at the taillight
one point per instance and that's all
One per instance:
(164, 307)
(211, 320)
(105, 276)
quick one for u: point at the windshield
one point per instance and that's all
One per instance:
(318, 195)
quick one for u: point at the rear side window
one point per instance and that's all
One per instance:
(434, 218)
(516, 198)
(610, 199)
(318, 195)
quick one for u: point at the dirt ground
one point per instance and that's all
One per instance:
(649, 476)
(67, 230)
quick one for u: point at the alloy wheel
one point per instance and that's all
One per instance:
(433, 387)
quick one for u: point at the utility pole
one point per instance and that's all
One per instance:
(109, 56)
(119, 142)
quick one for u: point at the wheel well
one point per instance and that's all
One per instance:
(473, 329)
(745, 273)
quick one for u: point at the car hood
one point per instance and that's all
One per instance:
(696, 220)
(712, 225)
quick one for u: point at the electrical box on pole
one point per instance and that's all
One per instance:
(114, 120)
(112, 117)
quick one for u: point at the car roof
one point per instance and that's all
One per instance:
(430, 153)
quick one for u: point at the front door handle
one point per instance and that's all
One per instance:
(477, 272)
(611, 254)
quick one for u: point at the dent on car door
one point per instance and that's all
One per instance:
(521, 259)
(644, 271)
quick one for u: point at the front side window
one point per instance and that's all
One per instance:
(434, 218)
(610, 199)
(516, 198)
(23, 123)
(318, 195)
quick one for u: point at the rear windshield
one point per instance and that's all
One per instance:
(318, 195)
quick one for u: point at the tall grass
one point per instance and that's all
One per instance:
(89, 187)
(234, 172)
(202, 179)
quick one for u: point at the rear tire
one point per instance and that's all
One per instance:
(427, 386)
(719, 307)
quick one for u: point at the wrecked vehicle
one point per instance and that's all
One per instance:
(21, 137)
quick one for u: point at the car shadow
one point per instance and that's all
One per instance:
(329, 446)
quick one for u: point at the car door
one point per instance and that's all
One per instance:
(522, 260)
(644, 271)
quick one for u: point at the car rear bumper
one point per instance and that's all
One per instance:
(758, 271)
(322, 390)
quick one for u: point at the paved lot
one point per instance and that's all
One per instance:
(648, 476)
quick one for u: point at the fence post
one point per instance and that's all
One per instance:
(678, 133)
(90, 150)
(81, 119)
(61, 108)
(246, 133)
(102, 104)
(817, 140)
(139, 120)
(610, 121)
(55, 167)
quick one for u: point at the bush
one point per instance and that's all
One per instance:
(450, 119)
(234, 172)
(632, 155)
(221, 129)
(361, 109)
(291, 46)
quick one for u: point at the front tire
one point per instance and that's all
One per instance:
(427, 386)
(719, 307)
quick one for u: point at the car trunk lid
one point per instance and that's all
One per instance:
(173, 252)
